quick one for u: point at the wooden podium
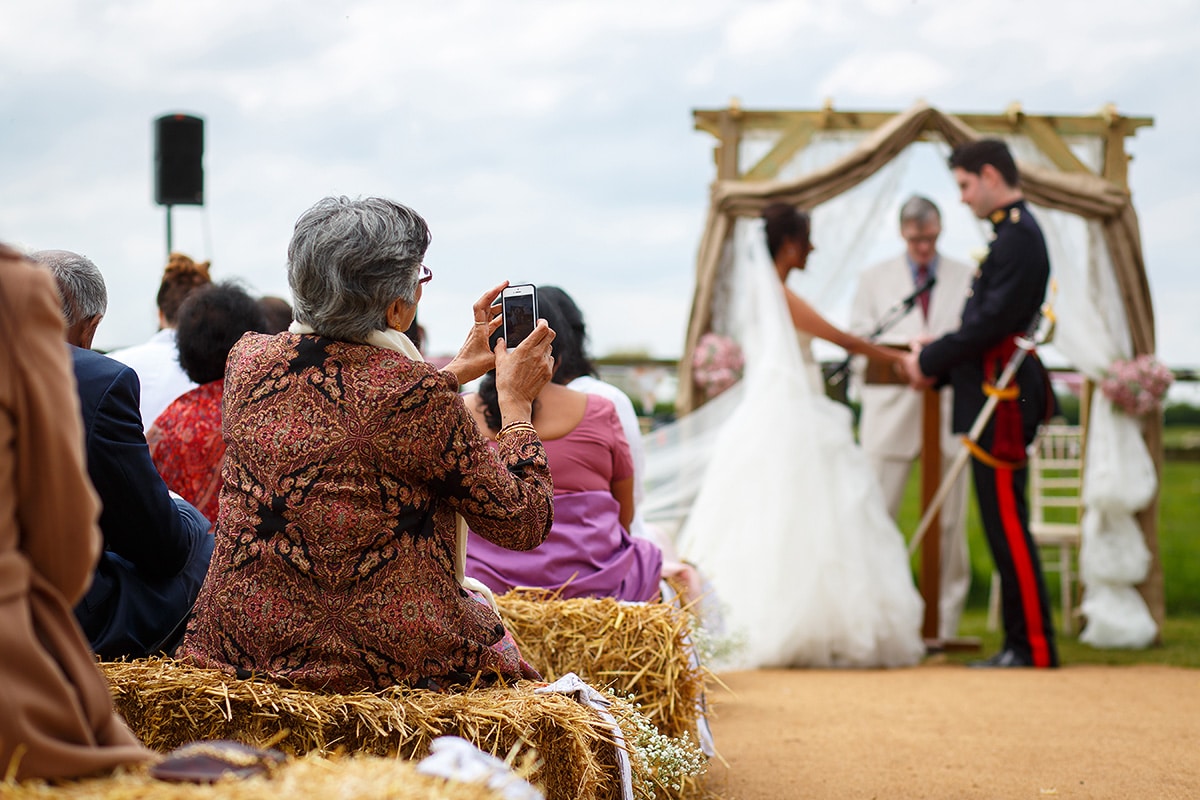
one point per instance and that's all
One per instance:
(929, 575)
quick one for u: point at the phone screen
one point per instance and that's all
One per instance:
(520, 313)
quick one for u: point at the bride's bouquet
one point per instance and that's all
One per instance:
(1138, 385)
(717, 363)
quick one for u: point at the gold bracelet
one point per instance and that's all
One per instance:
(515, 426)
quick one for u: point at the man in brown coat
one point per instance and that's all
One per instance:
(56, 715)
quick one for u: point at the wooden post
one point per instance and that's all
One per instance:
(931, 545)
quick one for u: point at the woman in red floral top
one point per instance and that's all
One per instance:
(348, 462)
(185, 441)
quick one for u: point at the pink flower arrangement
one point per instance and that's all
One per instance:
(717, 363)
(1137, 386)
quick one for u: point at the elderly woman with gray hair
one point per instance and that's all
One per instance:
(352, 469)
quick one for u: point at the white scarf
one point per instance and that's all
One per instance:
(395, 340)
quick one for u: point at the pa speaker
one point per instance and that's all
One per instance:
(179, 160)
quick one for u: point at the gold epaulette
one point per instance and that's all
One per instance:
(1013, 214)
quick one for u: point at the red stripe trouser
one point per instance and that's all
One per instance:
(1028, 628)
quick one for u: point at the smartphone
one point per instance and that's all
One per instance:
(519, 306)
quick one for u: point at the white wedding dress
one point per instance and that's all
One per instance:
(787, 524)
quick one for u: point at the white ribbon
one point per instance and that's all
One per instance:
(456, 759)
(571, 684)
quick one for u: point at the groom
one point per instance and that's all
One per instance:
(1004, 300)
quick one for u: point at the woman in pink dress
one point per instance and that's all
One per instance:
(589, 551)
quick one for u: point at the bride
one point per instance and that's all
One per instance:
(788, 524)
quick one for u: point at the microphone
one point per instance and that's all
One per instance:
(840, 372)
(925, 286)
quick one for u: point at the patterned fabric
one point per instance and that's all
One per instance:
(334, 566)
(187, 448)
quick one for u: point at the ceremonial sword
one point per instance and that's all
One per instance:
(1039, 331)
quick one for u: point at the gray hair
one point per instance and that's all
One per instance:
(920, 210)
(349, 260)
(80, 285)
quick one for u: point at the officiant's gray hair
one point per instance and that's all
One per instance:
(920, 210)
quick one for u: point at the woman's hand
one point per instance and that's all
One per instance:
(522, 372)
(910, 368)
(475, 356)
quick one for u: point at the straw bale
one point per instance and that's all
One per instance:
(313, 776)
(641, 650)
(168, 703)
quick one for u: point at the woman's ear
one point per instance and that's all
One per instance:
(400, 315)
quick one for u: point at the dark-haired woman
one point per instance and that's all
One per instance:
(788, 523)
(589, 551)
(185, 441)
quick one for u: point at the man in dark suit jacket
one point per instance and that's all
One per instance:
(156, 545)
(1005, 299)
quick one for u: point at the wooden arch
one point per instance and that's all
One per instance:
(1072, 188)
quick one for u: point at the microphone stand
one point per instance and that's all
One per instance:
(890, 318)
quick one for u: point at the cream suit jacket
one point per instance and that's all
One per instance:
(890, 426)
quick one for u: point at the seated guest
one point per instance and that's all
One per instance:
(589, 552)
(278, 313)
(156, 546)
(56, 715)
(156, 361)
(348, 462)
(185, 442)
(576, 371)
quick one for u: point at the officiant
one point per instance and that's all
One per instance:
(891, 425)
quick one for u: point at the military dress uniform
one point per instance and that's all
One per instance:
(1005, 297)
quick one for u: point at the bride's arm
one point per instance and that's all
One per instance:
(807, 320)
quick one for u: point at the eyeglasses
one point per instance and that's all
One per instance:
(426, 274)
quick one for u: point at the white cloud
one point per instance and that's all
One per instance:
(1178, 327)
(1172, 222)
(542, 138)
(900, 75)
(766, 30)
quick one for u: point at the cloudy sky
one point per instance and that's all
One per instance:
(549, 141)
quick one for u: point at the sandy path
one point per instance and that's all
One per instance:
(945, 731)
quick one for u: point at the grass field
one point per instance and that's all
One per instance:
(1179, 547)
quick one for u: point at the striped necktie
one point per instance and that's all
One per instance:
(923, 297)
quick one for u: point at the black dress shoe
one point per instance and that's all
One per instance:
(1003, 659)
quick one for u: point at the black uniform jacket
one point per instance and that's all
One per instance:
(1007, 293)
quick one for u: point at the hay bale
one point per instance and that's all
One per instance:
(313, 776)
(167, 703)
(638, 650)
